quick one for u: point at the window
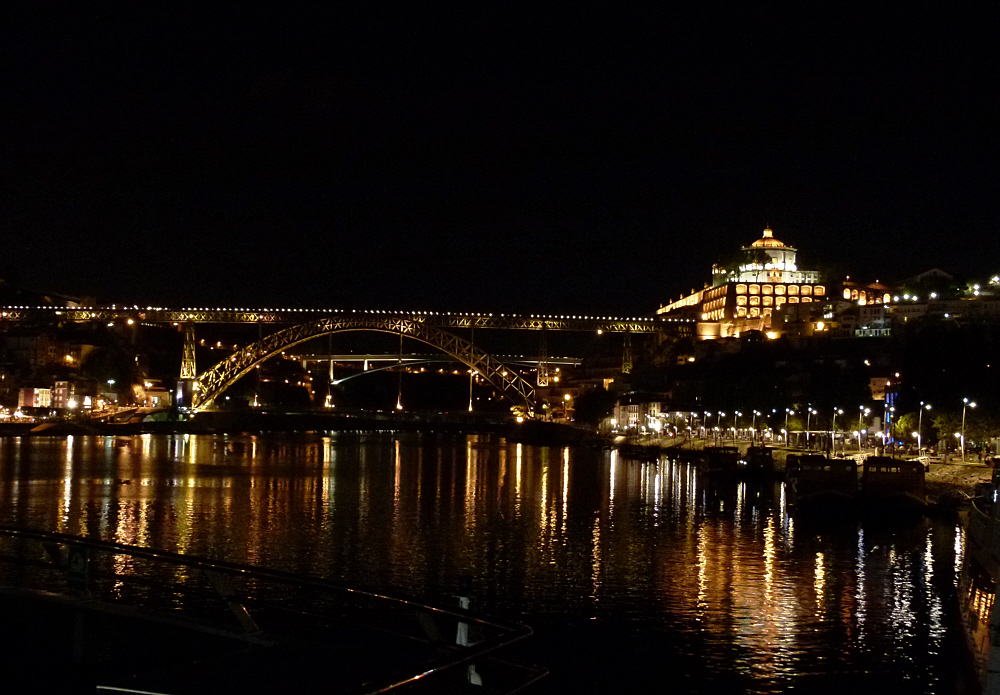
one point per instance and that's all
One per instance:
(778, 301)
(793, 300)
(767, 289)
(754, 289)
(741, 301)
(741, 311)
(768, 301)
(741, 289)
(793, 289)
(754, 312)
(847, 293)
(819, 291)
(806, 290)
(779, 289)
(806, 300)
(754, 301)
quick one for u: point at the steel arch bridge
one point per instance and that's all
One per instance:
(213, 382)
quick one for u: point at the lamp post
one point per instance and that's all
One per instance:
(809, 424)
(735, 415)
(862, 411)
(833, 427)
(965, 404)
(704, 424)
(753, 426)
(920, 425)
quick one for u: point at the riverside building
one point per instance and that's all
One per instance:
(745, 294)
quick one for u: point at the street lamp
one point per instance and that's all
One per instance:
(833, 436)
(920, 427)
(862, 411)
(735, 415)
(704, 425)
(753, 426)
(965, 404)
(808, 423)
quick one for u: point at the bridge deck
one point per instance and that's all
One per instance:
(161, 315)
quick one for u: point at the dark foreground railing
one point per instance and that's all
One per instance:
(123, 618)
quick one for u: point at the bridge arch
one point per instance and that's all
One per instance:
(213, 382)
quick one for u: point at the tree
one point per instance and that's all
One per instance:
(946, 425)
(590, 407)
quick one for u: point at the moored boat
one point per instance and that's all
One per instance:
(721, 459)
(978, 588)
(758, 462)
(889, 484)
(818, 482)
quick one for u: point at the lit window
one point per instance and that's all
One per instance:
(793, 289)
(741, 301)
(754, 289)
(778, 301)
(741, 289)
(819, 290)
(779, 289)
(767, 289)
(847, 293)
(806, 289)
(768, 301)
(754, 312)
(754, 301)
(793, 300)
(886, 298)
(806, 300)
(741, 311)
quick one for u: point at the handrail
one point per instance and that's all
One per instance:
(457, 655)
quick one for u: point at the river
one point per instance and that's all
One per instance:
(638, 574)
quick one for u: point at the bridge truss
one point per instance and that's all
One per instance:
(213, 382)
(159, 315)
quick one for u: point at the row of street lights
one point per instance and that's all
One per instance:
(863, 412)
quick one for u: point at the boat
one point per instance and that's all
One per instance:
(978, 587)
(721, 459)
(889, 484)
(757, 462)
(818, 482)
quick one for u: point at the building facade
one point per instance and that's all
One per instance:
(745, 295)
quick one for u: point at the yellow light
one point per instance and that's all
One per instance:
(130, 322)
(820, 325)
(566, 397)
(520, 418)
(771, 335)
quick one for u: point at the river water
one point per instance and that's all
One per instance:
(633, 574)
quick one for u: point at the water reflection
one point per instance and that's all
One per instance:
(717, 570)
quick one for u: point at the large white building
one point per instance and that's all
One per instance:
(744, 296)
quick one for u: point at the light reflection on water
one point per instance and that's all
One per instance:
(614, 561)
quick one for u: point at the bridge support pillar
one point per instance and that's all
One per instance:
(187, 384)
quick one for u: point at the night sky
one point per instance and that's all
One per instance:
(578, 160)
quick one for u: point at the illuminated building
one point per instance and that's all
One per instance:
(745, 294)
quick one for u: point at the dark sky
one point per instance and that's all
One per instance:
(578, 160)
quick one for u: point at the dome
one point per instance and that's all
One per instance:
(767, 240)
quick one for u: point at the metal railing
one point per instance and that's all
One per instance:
(259, 603)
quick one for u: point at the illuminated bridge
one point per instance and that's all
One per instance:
(440, 319)
(296, 326)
